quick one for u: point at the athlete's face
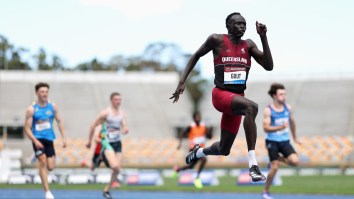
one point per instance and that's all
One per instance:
(116, 101)
(197, 118)
(42, 94)
(236, 25)
(280, 96)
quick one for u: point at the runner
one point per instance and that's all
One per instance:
(196, 133)
(39, 128)
(232, 62)
(278, 121)
(113, 121)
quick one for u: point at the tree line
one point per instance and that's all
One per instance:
(158, 56)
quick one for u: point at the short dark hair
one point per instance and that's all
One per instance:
(40, 85)
(195, 114)
(274, 87)
(230, 15)
(114, 94)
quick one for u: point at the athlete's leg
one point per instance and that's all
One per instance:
(188, 166)
(290, 156)
(222, 147)
(273, 170)
(119, 160)
(50, 154)
(43, 172)
(293, 160)
(113, 163)
(203, 161)
(50, 163)
(243, 106)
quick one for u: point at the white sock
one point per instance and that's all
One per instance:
(200, 153)
(252, 158)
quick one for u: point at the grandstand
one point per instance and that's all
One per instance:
(81, 96)
(324, 113)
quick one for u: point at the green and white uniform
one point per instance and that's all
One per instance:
(111, 133)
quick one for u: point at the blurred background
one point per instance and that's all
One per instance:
(87, 49)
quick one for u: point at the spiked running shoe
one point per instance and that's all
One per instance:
(198, 183)
(256, 174)
(266, 195)
(175, 172)
(192, 156)
(107, 195)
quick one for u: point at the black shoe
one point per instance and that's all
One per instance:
(192, 156)
(256, 174)
(107, 195)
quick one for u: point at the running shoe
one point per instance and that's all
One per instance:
(192, 156)
(266, 195)
(107, 195)
(198, 183)
(256, 174)
(49, 195)
(175, 172)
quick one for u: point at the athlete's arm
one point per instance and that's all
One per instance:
(124, 124)
(211, 42)
(99, 120)
(293, 126)
(267, 127)
(60, 124)
(28, 127)
(263, 58)
(209, 131)
(182, 136)
(97, 133)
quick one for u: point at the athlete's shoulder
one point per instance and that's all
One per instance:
(267, 110)
(216, 38)
(250, 43)
(105, 112)
(288, 106)
(30, 108)
(53, 104)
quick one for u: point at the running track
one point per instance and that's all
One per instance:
(70, 194)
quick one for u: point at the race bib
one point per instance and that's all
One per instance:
(43, 126)
(280, 122)
(113, 135)
(234, 75)
(283, 131)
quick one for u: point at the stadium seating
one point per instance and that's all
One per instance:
(323, 111)
(161, 152)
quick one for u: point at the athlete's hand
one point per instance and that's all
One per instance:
(64, 142)
(125, 131)
(88, 145)
(179, 90)
(286, 125)
(261, 29)
(38, 144)
(297, 141)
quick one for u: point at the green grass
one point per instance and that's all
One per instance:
(295, 184)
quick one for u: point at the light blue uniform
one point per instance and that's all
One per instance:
(278, 119)
(42, 125)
